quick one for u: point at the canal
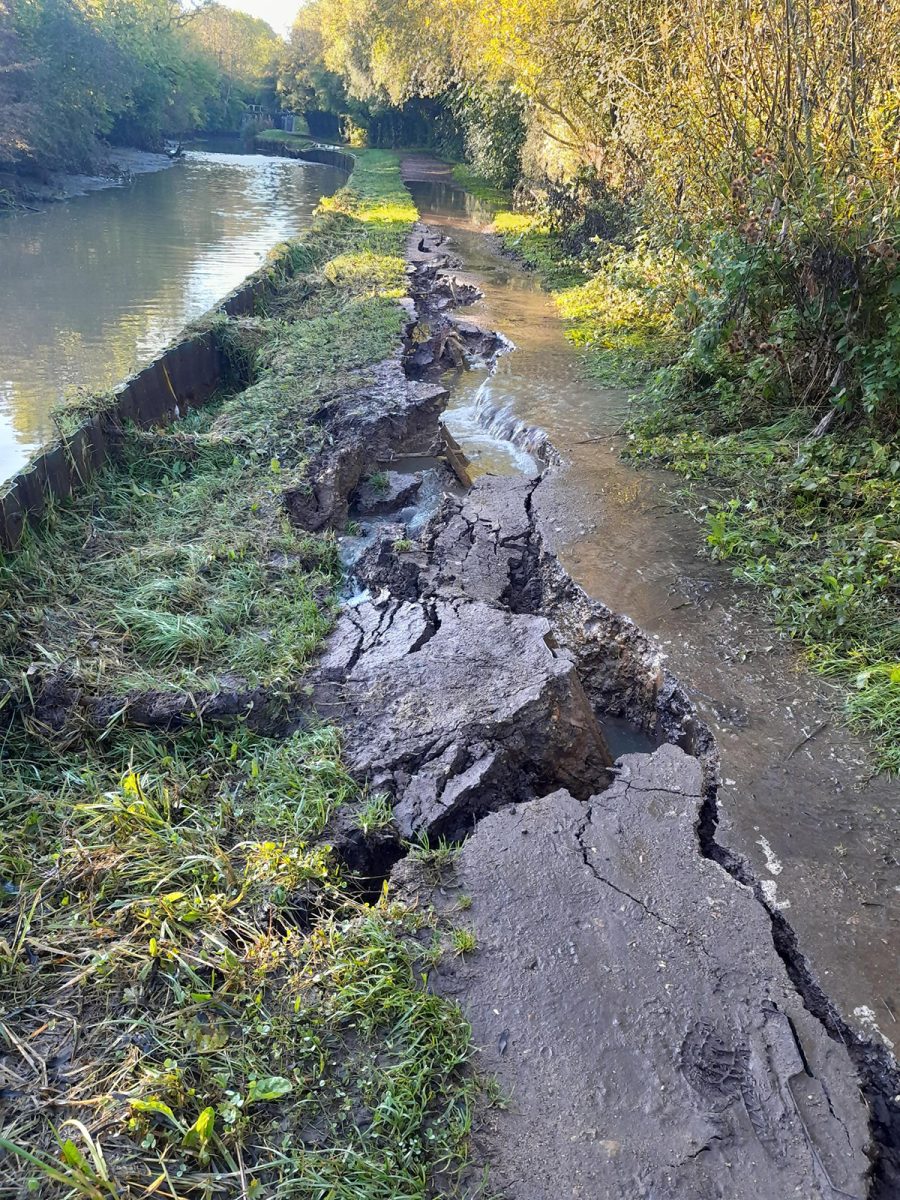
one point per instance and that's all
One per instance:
(93, 288)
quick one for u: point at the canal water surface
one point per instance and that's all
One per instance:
(93, 288)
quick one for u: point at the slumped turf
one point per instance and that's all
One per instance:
(194, 1002)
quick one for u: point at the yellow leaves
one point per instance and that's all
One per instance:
(512, 224)
(131, 784)
(664, 101)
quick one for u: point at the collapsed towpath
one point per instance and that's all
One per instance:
(798, 799)
(656, 1031)
(800, 815)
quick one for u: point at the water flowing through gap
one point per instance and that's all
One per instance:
(818, 831)
(94, 287)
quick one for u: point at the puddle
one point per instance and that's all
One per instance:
(623, 737)
(811, 806)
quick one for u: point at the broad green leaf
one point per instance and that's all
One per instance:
(270, 1087)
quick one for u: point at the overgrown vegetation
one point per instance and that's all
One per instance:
(713, 193)
(73, 72)
(193, 1002)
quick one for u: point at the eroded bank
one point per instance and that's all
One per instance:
(477, 687)
(798, 798)
(626, 962)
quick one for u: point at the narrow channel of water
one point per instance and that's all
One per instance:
(91, 289)
(818, 830)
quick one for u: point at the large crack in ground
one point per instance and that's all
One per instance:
(876, 1067)
(472, 679)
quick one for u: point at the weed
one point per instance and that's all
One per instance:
(284, 138)
(403, 545)
(495, 1094)
(815, 524)
(531, 239)
(436, 858)
(463, 941)
(376, 814)
(494, 198)
(379, 482)
(431, 955)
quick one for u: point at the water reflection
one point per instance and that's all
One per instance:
(93, 288)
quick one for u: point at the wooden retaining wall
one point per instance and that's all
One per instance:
(182, 377)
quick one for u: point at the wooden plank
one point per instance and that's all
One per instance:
(456, 460)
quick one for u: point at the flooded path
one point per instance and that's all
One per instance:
(797, 799)
(93, 288)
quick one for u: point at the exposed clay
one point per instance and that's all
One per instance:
(627, 995)
(456, 707)
(386, 412)
(396, 491)
(396, 406)
(475, 675)
(441, 340)
(485, 547)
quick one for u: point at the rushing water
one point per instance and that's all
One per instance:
(818, 831)
(91, 289)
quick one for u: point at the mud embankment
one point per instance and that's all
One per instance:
(32, 191)
(655, 1024)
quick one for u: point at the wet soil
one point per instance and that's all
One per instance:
(797, 803)
(659, 1027)
(626, 994)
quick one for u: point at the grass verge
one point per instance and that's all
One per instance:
(282, 137)
(193, 1002)
(733, 367)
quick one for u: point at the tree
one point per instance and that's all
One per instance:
(73, 72)
(18, 95)
(244, 47)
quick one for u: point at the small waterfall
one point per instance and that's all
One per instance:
(499, 421)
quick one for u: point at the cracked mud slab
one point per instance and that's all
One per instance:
(455, 707)
(474, 673)
(626, 993)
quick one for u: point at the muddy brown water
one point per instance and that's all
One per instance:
(806, 812)
(92, 289)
